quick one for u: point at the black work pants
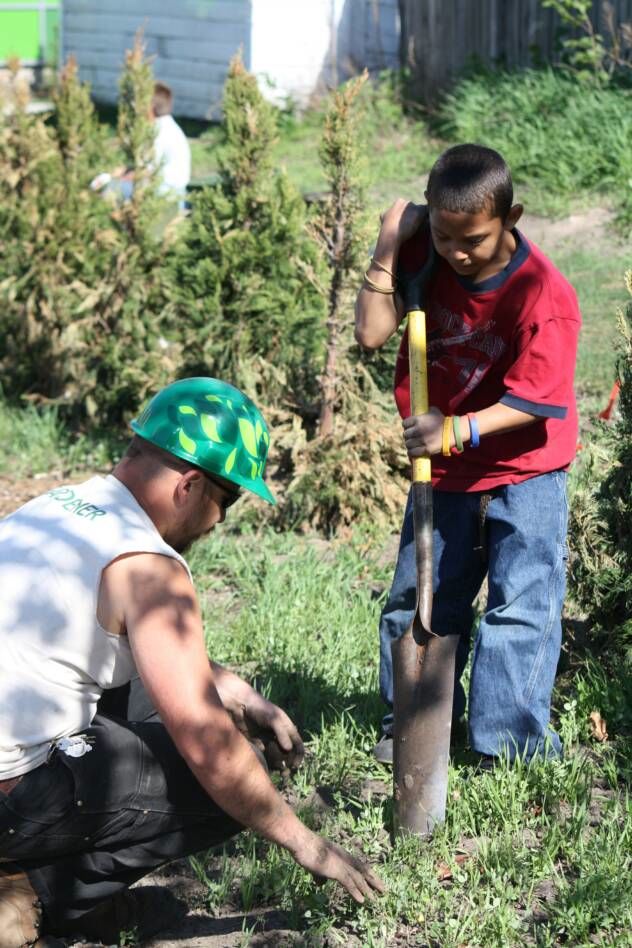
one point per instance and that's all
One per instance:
(84, 828)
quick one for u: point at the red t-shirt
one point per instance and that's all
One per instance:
(510, 339)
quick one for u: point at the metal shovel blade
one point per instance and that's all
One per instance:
(423, 666)
(423, 673)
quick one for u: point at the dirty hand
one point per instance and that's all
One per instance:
(326, 860)
(264, 722)
(423, 434)
(402, 220)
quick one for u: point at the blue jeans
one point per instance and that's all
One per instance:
(517, 645)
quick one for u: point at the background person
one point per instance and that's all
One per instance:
(172, 155)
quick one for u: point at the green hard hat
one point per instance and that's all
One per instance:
(213, 425)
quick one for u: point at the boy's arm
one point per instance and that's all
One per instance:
(377, 315)
(423, 433)
(540, 378)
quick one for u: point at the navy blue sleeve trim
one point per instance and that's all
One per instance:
(534, 408)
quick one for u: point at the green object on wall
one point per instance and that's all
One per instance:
(29, 29)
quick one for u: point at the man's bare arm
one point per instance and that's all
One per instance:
(164, 626)
(254, 715)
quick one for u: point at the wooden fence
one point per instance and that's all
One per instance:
(441, 37)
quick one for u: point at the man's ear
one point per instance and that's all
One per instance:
(185, 486)
(513, 216)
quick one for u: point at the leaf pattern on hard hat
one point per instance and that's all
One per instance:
(188, 444)
(186, 410)
(213, 398)
(247, 431)
(230, 461)
(209, 427)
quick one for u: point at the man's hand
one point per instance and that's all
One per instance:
(326, 860)
(269, 726)
(423, 434)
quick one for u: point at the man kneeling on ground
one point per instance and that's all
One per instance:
(94, 594)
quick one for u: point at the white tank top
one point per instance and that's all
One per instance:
(55, 658)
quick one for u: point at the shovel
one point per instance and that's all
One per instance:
(423, 662)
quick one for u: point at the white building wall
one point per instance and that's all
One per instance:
(300, 47)
(296, 47)
(192, 42)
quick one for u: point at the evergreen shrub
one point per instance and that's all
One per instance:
(82, 285)
(246, 274)
(354, 465)
(601, 515)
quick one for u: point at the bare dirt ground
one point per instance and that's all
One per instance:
(16, 491)
(595, 222)
(187, 922)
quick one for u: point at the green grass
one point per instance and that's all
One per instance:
(37, 442)
(530, 854)
(565, 137)
(598, 280)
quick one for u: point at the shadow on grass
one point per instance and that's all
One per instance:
(311, 701)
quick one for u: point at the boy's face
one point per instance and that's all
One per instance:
(473, 244)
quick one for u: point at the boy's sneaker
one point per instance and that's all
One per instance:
(20, 910)
(383, 750)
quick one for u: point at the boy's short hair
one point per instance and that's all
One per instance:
(470, 179)
(162, 100)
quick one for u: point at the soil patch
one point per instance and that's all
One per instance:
(17, 491)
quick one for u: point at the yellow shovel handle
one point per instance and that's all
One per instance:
(418, 382)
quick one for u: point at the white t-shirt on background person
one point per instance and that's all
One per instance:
(173, 155)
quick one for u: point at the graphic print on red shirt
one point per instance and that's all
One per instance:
(512, 339)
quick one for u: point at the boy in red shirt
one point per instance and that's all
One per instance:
(502, 328)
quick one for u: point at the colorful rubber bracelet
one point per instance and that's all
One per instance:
(456, 425)
(475, 437)
(445, 440)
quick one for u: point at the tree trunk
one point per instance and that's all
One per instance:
(328, 386)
